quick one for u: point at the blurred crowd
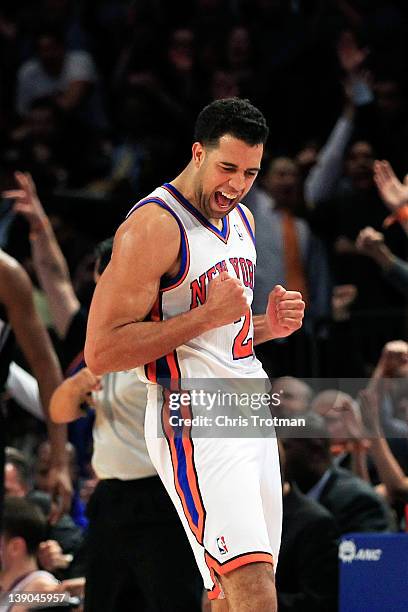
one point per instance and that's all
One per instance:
(97, 104)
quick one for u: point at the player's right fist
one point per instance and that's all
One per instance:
(226, 300)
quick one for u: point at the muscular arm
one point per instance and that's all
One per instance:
(16, 296)
(147, 247)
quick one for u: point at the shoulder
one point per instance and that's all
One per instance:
(248, 215)
(13, 277)
(150, 221)
(307, 509)
(81, 63)
(347, 486)
(29, 69)
(150, 236)
(42, 581)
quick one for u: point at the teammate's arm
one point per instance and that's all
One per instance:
(146, 248)
(284, 312)
(16, 296)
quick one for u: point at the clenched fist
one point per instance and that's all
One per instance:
(285, 311)
(226, 300)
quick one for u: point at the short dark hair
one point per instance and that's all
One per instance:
(21, 464)
(234, 116)
(103, 254)
(23, 519)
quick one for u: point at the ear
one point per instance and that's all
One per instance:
(17, 546)
(198, 154)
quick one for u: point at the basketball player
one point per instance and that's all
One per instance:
(175, 299)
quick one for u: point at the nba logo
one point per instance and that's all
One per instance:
(222, 547)
(240, 234)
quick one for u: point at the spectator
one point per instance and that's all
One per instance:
(390, 472)
(306, 577)
(342, 417)
(288, 253)
(339, 222)
(393, 193)
(62, 539)
(295, 396)
(324, 179)
(395, 270)
(353, 502)
(24, 528)
(68, 76)
(41, 474)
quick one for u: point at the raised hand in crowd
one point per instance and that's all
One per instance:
(394, 356)
(27, 203)
(371, 243)
(49, 262)
(342, 298)
(389, 471)
(350, 55)
(370, 412)
(351, 417)
(393, 192)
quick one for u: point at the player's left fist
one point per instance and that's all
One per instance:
(285, 311)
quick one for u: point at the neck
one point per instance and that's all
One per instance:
(21, 567)
(185, 183)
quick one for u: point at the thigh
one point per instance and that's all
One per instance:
(230, 480)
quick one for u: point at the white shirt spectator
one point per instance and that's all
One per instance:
(34, 82)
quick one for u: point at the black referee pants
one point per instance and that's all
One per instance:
(138, 555)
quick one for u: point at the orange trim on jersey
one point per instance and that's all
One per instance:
(173, 367)
(223, 568)
(216, 590)
(191, 471)
(207, 226)
(197, 530)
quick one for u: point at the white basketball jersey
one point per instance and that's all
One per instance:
(206, 251)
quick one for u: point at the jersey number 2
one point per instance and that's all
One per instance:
(243, 346)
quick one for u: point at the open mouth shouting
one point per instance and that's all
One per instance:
(225, 200)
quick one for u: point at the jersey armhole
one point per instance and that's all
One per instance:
(167, 283)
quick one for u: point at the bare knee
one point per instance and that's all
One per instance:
(250, 588)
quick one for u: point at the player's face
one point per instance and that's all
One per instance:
(225, 174)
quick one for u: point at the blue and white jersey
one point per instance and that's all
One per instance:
(206, 251)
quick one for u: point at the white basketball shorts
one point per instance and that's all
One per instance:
(227, 492)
